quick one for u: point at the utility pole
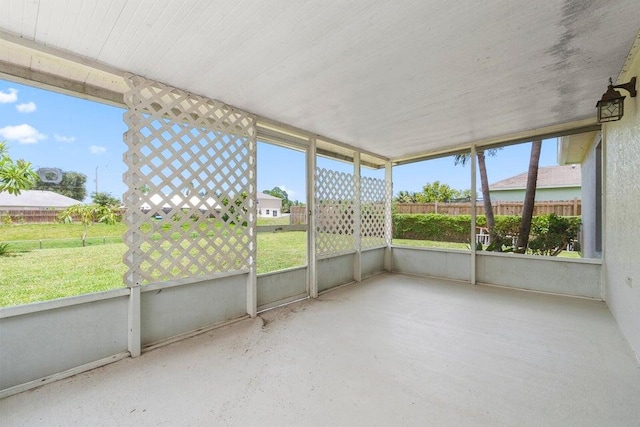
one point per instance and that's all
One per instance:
(96, 179)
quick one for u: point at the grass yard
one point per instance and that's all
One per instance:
(55, 273)
(430, 244)
(463, 246)
(41, 275)
(58, 231)
(29, 274)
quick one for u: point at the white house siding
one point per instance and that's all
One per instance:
(622, 205)
(542, 194)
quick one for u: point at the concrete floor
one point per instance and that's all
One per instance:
(393, 350)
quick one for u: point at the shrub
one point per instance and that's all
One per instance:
(438, 227)
(550, 234)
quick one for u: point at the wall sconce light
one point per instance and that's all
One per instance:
(611, 105)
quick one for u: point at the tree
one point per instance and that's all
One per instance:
(436, 192)
(104, 199)
(484, 183)
(73, 185)
(406, 197)
(529, 197)
(15, 176)
(88, 215)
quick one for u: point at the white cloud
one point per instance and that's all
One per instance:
(290, 193)
(62, 138)
(27, 107)
(97, 149)
(23, 133)
(11, 95)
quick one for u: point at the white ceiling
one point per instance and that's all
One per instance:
(397, 78)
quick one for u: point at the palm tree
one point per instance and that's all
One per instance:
(529, 197)
(14, 176)
(484, 181)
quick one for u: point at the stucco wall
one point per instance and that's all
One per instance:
(622, 207)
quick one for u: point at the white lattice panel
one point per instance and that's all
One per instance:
(191, 184)
(373, 202)
(335, 204)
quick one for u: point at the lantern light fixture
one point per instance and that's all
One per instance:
(611, 105)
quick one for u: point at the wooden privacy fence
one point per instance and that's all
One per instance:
(559, 207)
(298, 215)
(29, 215)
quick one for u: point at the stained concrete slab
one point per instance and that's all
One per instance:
(393, 350)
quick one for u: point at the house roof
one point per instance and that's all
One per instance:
(397, 79)
(548, 176)
(265, 196)
(36, 199)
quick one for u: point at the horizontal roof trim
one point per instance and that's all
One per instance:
(556, 131)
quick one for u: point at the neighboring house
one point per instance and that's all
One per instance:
(35, 200)
(269, 206)
(554, 183)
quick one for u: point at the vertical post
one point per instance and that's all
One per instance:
(472, 277)
(388, 264)
(357, 219)
(252, 279)
(603, 213)
(133, 338)
(312, 279)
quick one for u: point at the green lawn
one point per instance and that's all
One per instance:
(46, 274)
(64, 268)
(30, 275)
(58, 231)
(430, 244)
(455, 245)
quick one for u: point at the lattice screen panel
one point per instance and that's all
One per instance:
(335, 204)
(191, 182)
(373, 203)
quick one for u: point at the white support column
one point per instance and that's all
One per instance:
(252, 279)
(388, 265)
(312, 280)
(134, 337)
(472, 279)
(357, 219)
(603, 213)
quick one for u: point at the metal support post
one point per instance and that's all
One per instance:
(357, 219)
(312, 280)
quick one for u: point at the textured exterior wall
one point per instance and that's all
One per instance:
(622, 206)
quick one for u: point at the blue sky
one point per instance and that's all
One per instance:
(59, 131)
